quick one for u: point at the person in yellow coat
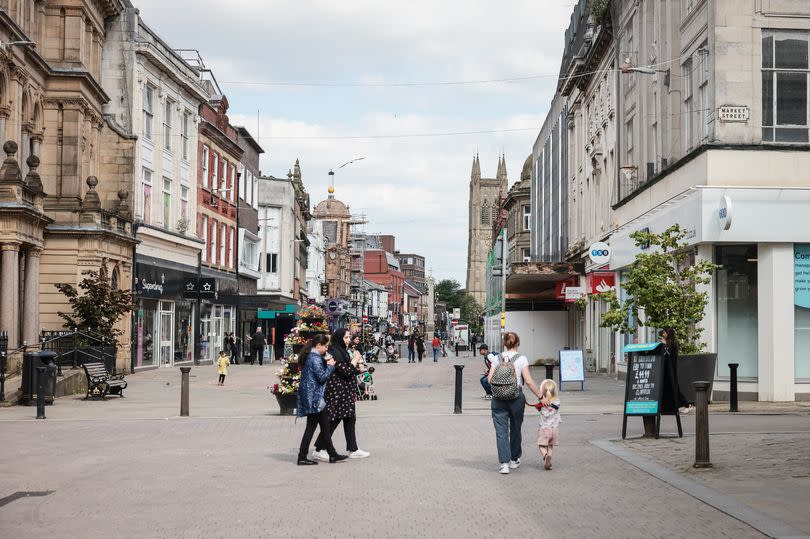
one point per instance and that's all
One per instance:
(222, 364)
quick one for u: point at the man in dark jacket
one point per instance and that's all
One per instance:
(257, 344)
(411, 350)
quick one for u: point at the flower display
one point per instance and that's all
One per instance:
(313, 326)
(312, 311)
(289, 377)
(312, 319)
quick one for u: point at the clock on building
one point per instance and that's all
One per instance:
(332, 254)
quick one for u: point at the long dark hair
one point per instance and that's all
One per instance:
(671, 341)
(305, 351)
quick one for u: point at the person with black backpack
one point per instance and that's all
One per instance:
(508, 373)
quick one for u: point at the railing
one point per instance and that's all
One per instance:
(74, 348)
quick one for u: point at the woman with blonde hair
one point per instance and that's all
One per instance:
(507, 374)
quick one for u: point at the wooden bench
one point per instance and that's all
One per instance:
(100, 383)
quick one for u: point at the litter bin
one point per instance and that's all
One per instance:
(32, 360)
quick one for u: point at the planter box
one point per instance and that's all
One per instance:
(694, 368)
(286, 403)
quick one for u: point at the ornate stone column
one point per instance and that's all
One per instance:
(9, 287)
(31, 297)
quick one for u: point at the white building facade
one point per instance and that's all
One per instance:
(316, 261)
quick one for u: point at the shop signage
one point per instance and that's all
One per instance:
(561, 286)
(332, 306)
(599, 252)
(573, 293)
(208, 287)
(724, 213)
(150, 289)
(801, 275)
(572, 367)
(600, 282)
(324, 289)
(733, 113)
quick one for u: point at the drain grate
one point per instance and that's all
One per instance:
(420, 386)
(24, 494)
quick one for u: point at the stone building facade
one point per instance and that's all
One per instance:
(60, 214)
(336, 219)
(483, 207)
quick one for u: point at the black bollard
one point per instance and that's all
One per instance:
(456, 349)
(732, 405)
(184, 391)
(458, 368)
(40, 392)
(702, 425)
(549, 372)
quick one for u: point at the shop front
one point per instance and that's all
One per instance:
(163, 317)
(758, 314)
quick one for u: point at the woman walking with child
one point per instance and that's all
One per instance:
(507, 374)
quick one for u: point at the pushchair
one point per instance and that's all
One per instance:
(365, 385)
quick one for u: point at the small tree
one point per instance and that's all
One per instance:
(663, 284)
(98, 307)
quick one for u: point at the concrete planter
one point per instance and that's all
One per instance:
(286, 403)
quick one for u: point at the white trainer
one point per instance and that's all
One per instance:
(321, 455)
(359, 454)
(514, 464)
(504, 468)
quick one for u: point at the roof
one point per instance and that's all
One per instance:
(419, 287)
(331, 207)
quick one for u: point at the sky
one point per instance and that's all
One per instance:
(369, 71)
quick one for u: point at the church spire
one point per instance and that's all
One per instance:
(501, 168)
(476, 169)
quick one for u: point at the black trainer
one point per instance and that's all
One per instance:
(337, 458)
(307, 462)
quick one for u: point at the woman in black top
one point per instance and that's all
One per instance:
(669, 339)
(341, 395)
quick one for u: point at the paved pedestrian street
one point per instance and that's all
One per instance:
(132, 468)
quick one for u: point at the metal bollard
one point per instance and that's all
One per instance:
(732, 405)
(549, 372)
(41, 393)
(456, 349)
(184, 391)
(702, 425)
(458, 368)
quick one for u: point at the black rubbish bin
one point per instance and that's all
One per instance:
(32, 360)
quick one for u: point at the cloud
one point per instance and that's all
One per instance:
(416, 188)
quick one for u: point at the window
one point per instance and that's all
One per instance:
(184, 134)
(204, 238)
(630, 143)
(785, 86)
(485, 214)
(232, 183)
(184, 202)
(242, 180)
(688, 108)
(527, 217)
(167, 202)
(525, 254)
(215, 174)
(703, 90)
(214, 244)
(204, 168)
(271, 264)
(148, 111)
(147, 196)
(167, 125)
(222, 241)
(230, 250)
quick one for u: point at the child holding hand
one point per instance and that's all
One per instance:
(549, 407)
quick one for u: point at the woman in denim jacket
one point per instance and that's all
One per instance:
(315, 371)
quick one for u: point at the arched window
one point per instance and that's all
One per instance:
(485, 214)
(115, 279)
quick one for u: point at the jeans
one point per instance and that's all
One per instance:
(348, 431)
(435, 354)
(411, 355)
(485, 385)
(507, 417)
(321, 419)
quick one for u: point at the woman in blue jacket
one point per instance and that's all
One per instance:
(315, 371)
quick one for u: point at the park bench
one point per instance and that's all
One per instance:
(100, 383)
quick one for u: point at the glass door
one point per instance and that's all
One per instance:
(166, 333)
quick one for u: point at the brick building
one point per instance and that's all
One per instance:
(382, 267)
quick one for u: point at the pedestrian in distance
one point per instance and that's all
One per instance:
(411, 351)
(222, 367)
(549, 408)
(340, 397)
(420, 347)
(230, 346)
(484, 351)
(257, 344)
(316, 369)
(436, 343)
(508, 373)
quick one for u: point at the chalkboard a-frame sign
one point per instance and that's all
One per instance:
(644, 391)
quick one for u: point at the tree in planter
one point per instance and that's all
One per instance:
(98, 307)
(662, 283)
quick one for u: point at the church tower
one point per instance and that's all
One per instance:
(482, 211)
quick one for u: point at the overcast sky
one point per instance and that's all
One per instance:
(413, 187)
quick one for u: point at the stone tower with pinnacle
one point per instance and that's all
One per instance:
(482, 211)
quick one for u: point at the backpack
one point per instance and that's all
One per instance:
(504, 381)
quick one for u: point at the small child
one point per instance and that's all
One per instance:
(222, 364)
(366, 381)
(549, 407)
